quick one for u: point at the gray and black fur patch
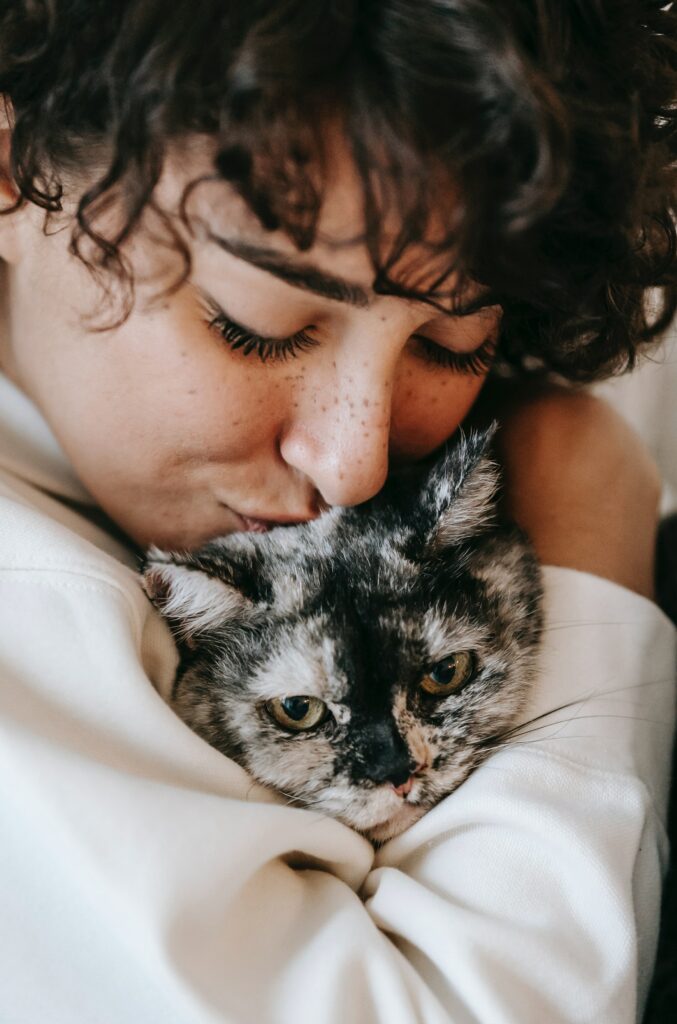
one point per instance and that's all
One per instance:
(355, 610)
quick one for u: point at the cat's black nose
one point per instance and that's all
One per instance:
(396, 771)
(400, 776)
(387, 756)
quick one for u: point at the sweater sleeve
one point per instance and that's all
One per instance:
(145, 878)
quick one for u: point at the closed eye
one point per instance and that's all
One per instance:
(267, 350)
(476, 362)
(270, 350)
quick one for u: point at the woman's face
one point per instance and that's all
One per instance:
(179, 435)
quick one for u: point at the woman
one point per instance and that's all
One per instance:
(285, 245)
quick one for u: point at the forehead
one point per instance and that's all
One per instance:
(216, 210)
(321, 657)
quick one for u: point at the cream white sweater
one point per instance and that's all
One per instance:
(144, 879)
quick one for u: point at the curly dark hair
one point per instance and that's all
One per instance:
(554, 121)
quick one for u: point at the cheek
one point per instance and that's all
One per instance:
(299, 766)
(162, 387)
(190, 390)
(428, 406)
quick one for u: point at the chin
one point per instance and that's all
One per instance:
(397, 823)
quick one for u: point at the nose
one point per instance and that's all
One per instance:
(387, 755)
(338, 437)
(405, 788)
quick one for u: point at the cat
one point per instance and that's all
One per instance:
(364, 663)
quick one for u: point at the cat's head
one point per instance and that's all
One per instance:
(361, 664)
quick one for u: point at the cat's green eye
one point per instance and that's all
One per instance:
(297, 714)
(449, 675)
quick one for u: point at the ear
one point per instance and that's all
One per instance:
(458, 498)
(192, 601)
(9, 239)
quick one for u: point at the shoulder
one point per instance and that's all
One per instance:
(572, 440)
(580, 482)
(570, 418)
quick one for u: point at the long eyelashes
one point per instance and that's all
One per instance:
(476, 362)
(267, 349)
(270, 350)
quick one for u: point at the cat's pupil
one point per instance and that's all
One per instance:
(296, 708)
(443, 671)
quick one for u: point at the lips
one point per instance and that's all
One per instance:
(258, 524)
(251, 525)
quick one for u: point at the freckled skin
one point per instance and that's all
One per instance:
(214, 432)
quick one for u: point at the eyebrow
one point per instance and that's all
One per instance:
(301, 275)
(311, 279)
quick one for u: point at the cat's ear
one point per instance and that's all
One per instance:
(458, 499)
(192, 601)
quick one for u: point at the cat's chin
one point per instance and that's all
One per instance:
(405, 816)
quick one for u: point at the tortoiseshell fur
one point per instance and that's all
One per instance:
(354, 608)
